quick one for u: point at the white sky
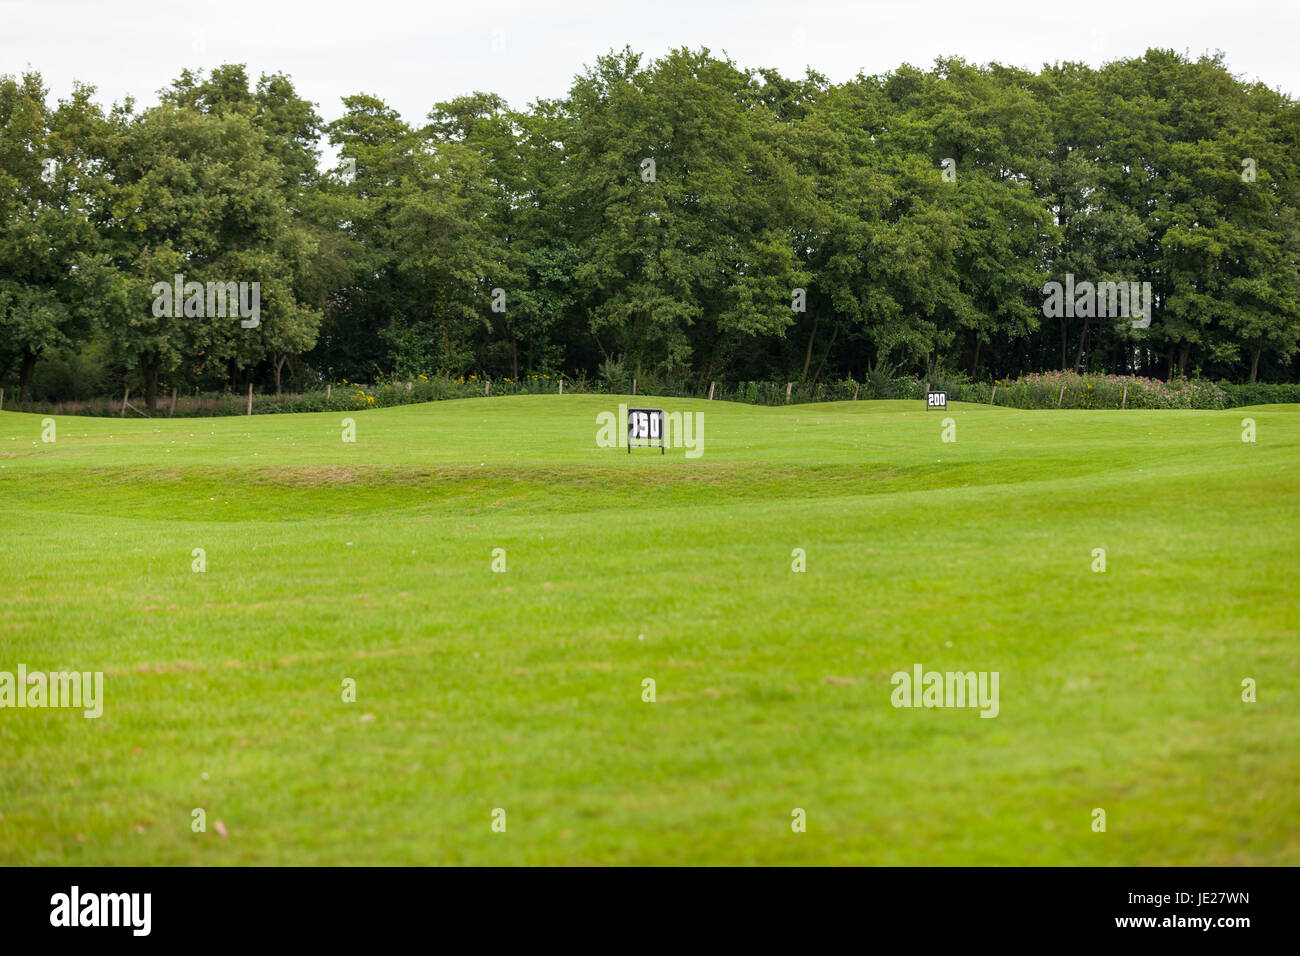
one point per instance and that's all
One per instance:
(413, 54)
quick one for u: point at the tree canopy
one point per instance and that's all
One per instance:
(681, 216)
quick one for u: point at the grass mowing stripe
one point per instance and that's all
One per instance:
(522, 690)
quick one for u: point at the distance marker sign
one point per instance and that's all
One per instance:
(936, 400)
(645, 426)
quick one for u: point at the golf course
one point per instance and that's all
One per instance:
(430, 644)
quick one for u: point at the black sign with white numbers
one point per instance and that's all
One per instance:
(645, 426)
(936, 400)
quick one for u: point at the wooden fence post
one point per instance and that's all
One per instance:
(993, 397)
(328, 388)
(711, 384)
(2, 399)
(1060, 396)
(633, 386)
(173, 411)
(561, 386)
(788, 386)
(124, 398)
(487, 388)
(250, 398)
(1124, 401)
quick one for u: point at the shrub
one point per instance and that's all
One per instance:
(880, 384)
(1069, 389)
(1260, 393)
(615, 376)
(1037, 390)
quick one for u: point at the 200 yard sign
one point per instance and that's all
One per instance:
(645, 426)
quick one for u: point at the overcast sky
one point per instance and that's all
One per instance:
(414, 54)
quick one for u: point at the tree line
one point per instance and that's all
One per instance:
(679, 217)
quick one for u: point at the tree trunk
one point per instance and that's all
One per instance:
(25, 375)
(1083, 341)
(1064, 343)
(1182, 357)
(807, 358)
(151, 385)
(818, 374)
(514, 358)
(1254, 362)
(975, 365)
(279, 364)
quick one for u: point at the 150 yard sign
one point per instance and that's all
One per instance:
(645, 426)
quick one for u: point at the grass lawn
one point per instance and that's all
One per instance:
(522, 690)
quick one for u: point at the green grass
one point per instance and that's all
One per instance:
(522, 690)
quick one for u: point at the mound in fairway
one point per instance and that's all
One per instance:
(496, 590)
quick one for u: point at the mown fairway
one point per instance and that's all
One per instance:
(522, 690)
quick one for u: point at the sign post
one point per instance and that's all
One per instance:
(645, 425)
